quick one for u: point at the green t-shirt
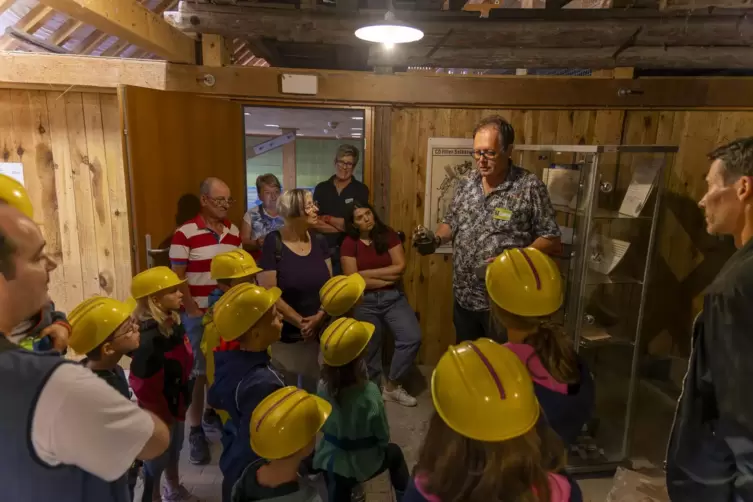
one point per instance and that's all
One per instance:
(358, 415)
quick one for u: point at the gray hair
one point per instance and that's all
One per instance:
(206, 186)
(504, 129)
(347, 151)
(292, 203)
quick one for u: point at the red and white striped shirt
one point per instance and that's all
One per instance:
(193, 246)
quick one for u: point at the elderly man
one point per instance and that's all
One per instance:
(66, 434)
(194, 245)
(499, 206)
(710, 454)
(333, 196)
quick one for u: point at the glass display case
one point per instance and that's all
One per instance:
(607, 201)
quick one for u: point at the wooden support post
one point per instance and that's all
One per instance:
(214, 50)
(289, 171)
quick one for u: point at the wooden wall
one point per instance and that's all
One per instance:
(688, 258)
(71, 149)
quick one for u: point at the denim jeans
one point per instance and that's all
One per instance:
(153, 468)
(471, 325)
(339, 488)
(195, 332)
(390, 308)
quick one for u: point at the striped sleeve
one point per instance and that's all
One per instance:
(179, 249)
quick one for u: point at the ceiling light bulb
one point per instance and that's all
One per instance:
(389, 32)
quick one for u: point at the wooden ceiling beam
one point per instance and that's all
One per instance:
(131, 21)
(64, 32)
(29, 24)
(5, 5)
(704, 4)
(365, 88)
(115, 49)
(90, 43)
(515, 28)
(567, 57)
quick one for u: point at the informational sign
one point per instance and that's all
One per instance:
(13, 169)
(644, 178)
(448, 161)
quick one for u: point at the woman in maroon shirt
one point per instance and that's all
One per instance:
(375, 251)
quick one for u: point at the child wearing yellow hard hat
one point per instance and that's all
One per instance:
(160, 373)
(525, 288)
(228, 269)
(341, 294)
(356, 444)
(104, 330)
(246, 314)
(283, 431)
(486, 441)
(48, 329)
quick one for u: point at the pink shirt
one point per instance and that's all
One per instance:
(536, 369)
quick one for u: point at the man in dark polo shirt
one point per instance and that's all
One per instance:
(497, 207)
(334, 195)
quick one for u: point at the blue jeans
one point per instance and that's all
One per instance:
(153, 468)
(195, 332)
(389, 307)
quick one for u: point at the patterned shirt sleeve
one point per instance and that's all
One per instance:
(544, 223)
(451, 214)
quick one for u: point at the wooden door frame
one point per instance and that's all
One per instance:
(368, 129)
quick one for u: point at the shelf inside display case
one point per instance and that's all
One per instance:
(599, 213)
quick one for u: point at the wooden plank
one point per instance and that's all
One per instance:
(366, 88)
(116, 49)
(90, 43)
(64, 31)
(71, 258)
(5, 5)
(703, 4)
(518, 28)
(30, 23)
(214, 51)
(81, 170)
(131, 21)
(565, 57)
(118, 199)
(289, 172)
(100, 191)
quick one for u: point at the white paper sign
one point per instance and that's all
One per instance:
(640, 188)
(13, 169)
(606, 253)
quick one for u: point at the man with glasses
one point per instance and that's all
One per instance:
(193, 246)
(333, 196)
(498, 206)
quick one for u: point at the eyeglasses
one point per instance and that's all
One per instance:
(222, 201)
(345, 166)
(487, 154)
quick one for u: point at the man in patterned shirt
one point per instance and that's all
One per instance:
(498, 206)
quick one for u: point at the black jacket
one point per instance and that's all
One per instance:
(710, 453)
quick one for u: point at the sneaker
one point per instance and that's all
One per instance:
(357, 494)
(199, 449)
(399, 396)
(211, 421)
(179, 494)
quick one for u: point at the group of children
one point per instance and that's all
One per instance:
(504, 413)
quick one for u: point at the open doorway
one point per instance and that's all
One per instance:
(298, 145)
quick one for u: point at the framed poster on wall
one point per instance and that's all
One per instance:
(448, 160)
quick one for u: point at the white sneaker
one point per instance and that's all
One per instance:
(399, 396)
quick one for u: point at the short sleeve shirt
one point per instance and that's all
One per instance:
(513, 215)
(366, 256)
(299, 277)
(335, 204)
(193, 246)
(261, 223)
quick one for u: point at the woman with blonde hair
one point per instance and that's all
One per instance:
(296, 260)
(486, 442)
(160, 374)
(525, 288)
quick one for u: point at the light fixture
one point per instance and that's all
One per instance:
(271, 125)
(247, 114)
(357, 118)
(356, 128)
(389, 32)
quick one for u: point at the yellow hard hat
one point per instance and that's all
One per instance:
(94, 320)
(286, 421)
(525, 282)
(131, 302)
(344, 340)
(241, 307)
(14, 193)
(484, 392)
(341, 293)
(153, 280)
(233, 265)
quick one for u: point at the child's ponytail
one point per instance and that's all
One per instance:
(555, 350)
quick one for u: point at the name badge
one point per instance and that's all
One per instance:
(500, 213)
(348, 201)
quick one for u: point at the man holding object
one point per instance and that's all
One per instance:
(499, 206)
